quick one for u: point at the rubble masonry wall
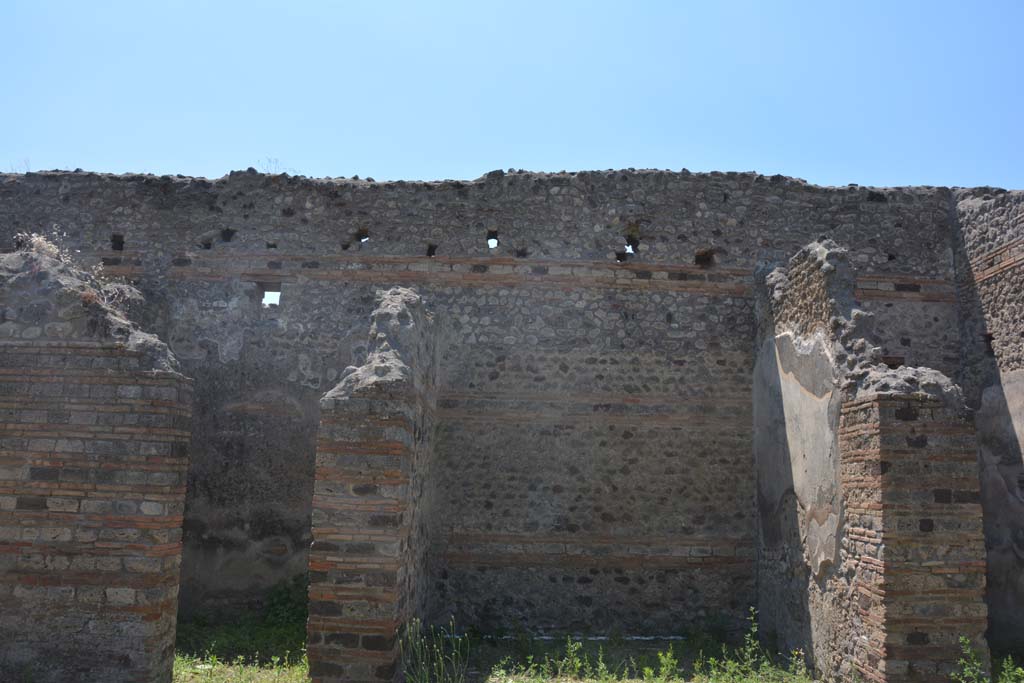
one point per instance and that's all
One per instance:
(594, 437)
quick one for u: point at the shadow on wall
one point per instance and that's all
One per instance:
(997, 396)
(1000, 427)
(999, 421)
(796, 415)
(247, 524)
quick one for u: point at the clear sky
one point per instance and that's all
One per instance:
(871, 92)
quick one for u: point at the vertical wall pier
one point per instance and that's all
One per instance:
(372, 499)
(94, 441)
(910, 475)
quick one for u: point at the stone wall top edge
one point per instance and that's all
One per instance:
(961, 193)
(356, 182)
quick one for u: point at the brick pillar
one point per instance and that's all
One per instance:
(372, 496)
(914, 530)
(360, 541)
(93, 459)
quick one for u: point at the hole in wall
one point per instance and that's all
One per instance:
(271, 245)
(620, 256)
(893, 362)
(270, 294)
(208, 244)
(990, 349)
(431, 250)
(705, 258)
(522, 252)
(891, 257)
(345, 246)
(227, 234)
(117, 242)
(492, 239)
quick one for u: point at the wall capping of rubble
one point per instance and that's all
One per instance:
(372, 498)
(94, 443)
(871, 553)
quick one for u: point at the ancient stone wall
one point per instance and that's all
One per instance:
(94, 434)
(374, 498)
(594, 423)
(871, 556)
(990, 276)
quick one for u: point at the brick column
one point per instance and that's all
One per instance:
(914, 530)
(372, 496)
(360, 542)
(93, 459)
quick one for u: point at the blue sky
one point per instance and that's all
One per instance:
(879, 93)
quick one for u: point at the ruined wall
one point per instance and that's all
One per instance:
(594, 425)
(94, 432)
(871, 555)
(374, 498)
(990, 273)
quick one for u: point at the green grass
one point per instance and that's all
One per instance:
(189, 669)
(269, 647)
(259, 647)
(437, 656)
